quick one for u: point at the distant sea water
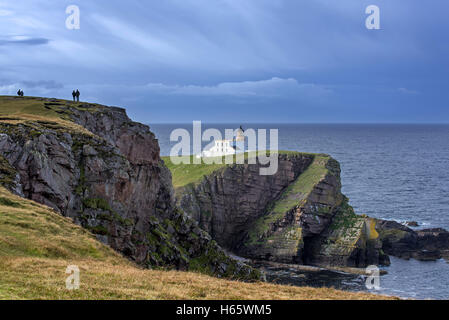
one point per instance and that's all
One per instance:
(390, 171)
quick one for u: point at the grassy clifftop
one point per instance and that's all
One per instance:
(37, 244)
(184, 174)
(24, 108)
(34, 111)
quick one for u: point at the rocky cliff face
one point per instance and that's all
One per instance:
(299, 215)
(106, 174)
(227, 202)
(93, 164)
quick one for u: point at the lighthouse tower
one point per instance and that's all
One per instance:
(240, 136)
(240, 141)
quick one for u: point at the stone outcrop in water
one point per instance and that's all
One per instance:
(403, 242)
(93, 164)
(298, 215)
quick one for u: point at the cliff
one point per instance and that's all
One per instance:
(298, 215)
(91, 163)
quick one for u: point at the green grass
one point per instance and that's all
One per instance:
(9, 203)
(97, 203)
(187, 173)
(7, 173)
(293, 196)
(305, 183)
(43, 113)
(184, 174)
(17, 107)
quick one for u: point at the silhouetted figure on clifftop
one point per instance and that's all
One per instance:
(73, 95)
(77, 93)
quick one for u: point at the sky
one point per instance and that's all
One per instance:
(294, 61)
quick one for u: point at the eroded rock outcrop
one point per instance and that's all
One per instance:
(227, 202)
(296, 216)
(95, 165)
(300, 216)
(403, 242)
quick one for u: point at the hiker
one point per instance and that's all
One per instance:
(77, 95)
(20, 93)
(73, 95)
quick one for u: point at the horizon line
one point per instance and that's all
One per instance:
(303, 123)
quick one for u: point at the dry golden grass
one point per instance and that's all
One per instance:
(34, 278)
(37, 245)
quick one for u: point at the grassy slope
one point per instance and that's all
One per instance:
(30, 110)
(290, 198)
(302, 186)
(35, 107)
(37, 244)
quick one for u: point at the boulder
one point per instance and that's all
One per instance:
(403, 242)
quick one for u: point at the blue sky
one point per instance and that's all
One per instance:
(234, 60)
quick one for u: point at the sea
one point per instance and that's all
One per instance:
(390, 171)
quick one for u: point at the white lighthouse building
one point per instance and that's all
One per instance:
(226, 147)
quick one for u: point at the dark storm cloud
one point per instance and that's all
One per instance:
(283, 60)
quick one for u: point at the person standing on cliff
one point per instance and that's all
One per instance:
(77, 93)
(73, 95)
